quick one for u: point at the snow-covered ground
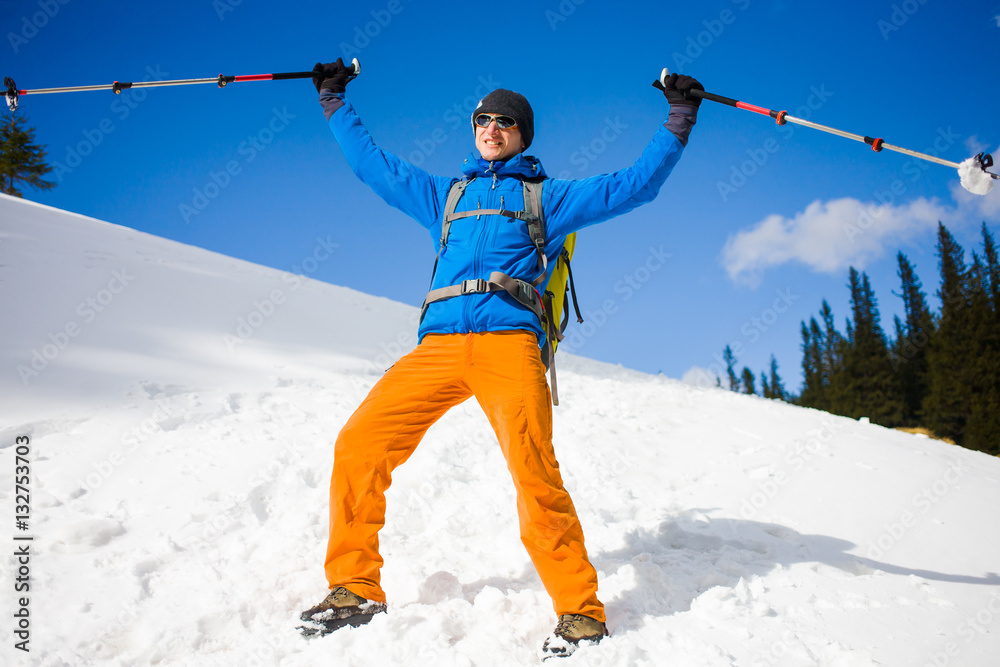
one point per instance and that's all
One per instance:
(181, 408)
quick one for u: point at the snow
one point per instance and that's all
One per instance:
(974, 178)
(182, 408)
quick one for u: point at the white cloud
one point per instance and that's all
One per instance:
(831, 236)
(828, 236)
(978, 207)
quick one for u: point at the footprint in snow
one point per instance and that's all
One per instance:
(86, 535)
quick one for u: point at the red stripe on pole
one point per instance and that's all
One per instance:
(254, 77)
(754, 108)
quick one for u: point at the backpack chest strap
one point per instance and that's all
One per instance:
(516, 215)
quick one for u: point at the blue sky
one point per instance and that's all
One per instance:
(757, 224)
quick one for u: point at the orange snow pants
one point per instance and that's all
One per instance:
(504, 372)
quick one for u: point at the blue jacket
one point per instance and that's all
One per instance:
(477, 246)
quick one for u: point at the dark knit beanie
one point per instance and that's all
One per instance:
(503, 102)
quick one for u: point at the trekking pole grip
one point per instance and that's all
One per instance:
(355, 69)
(694, 92)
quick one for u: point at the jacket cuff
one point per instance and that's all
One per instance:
(680, 120)
(330, 101)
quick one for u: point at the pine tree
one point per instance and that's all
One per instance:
(730, 359)
(748, 381)
(835, 346)
(776, 386)
(900, 352)
(913, 336)
(867, 386)
(813, 394)
(982, 430)
(765, 386)
(21, 159)
(946, 406)
(833, 349)
(992, 270)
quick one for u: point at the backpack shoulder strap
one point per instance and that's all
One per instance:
(533, 214)
(533, 197)
(451, 203)
(533, 217)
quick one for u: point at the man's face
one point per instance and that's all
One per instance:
(496, 144)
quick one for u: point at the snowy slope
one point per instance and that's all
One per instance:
(182, 406)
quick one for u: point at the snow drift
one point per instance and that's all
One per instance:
(181, 408)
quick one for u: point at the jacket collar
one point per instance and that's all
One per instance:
(519, 166)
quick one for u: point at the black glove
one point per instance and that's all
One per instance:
(333, 76)
(677, 87)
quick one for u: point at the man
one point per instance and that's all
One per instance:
(477, 339)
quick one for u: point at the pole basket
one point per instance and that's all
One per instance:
(11, 93)
(985, 162)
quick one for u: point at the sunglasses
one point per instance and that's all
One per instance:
(503, 122)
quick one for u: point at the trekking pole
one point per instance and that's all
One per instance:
(967, 169)
(13, 93)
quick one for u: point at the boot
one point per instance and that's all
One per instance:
(341, 607)
(570, 631)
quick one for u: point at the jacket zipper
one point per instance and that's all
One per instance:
(477, 259)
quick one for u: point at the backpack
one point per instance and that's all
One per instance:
(552, 312)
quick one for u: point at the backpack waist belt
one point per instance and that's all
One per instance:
(520, 290)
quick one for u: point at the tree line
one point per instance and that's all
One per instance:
(939, 371)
